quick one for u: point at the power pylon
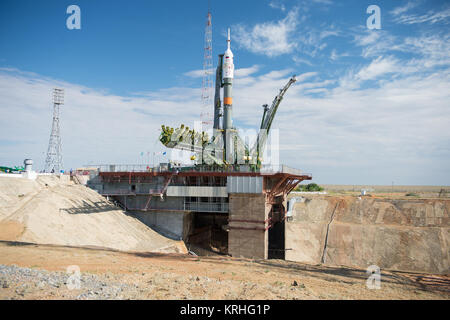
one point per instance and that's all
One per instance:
(53, 162)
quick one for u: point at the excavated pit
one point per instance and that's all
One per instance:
(403, 235)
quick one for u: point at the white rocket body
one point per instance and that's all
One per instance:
(228, 61)
(228, 75)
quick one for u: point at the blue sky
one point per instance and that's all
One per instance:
(370, 106)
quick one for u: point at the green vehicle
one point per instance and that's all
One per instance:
(11, 170)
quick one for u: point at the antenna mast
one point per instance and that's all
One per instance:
(207, 82)
(53, 162)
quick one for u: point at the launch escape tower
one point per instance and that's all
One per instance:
(227, 201)
(53, 161)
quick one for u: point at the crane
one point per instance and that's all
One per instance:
(266, 121)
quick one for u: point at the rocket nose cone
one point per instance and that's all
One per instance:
(228, 54)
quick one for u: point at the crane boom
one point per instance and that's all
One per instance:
(267, 119)
(269, 114)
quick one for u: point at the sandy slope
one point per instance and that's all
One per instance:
(50, 211)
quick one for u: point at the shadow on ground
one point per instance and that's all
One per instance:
(89, 208)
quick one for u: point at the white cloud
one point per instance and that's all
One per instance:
(328, 33)
(293, 34)
(341, 133)
(367, 38)
(302, 77)
(394, 130)
(299, 60)
(402, 9)
(433, 49)
(197, 73)
(334, 55)
(245, 72)
(95, 126)
(428, 50)
(269, 38)
(311, 40)
(378, 67)
(430, 17)
(277, 5)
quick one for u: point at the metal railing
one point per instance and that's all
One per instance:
(125, 168)
(265, 169)
(206, 206)
(117, 192)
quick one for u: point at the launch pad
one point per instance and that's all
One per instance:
(229, 200)
(240, 213)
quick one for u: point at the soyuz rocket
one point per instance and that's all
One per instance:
(223, 118)
(228, 75)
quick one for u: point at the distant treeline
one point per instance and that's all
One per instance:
(311, 187)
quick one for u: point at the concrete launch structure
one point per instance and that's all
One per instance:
(241, 213)
(228, 201)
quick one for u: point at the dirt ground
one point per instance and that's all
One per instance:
(111, 274)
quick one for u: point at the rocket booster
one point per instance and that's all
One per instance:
(228, 75)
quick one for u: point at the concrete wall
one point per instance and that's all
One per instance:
(174, 225)
(407, 235)
(248, 242)
(140, 201)
(171, 221)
